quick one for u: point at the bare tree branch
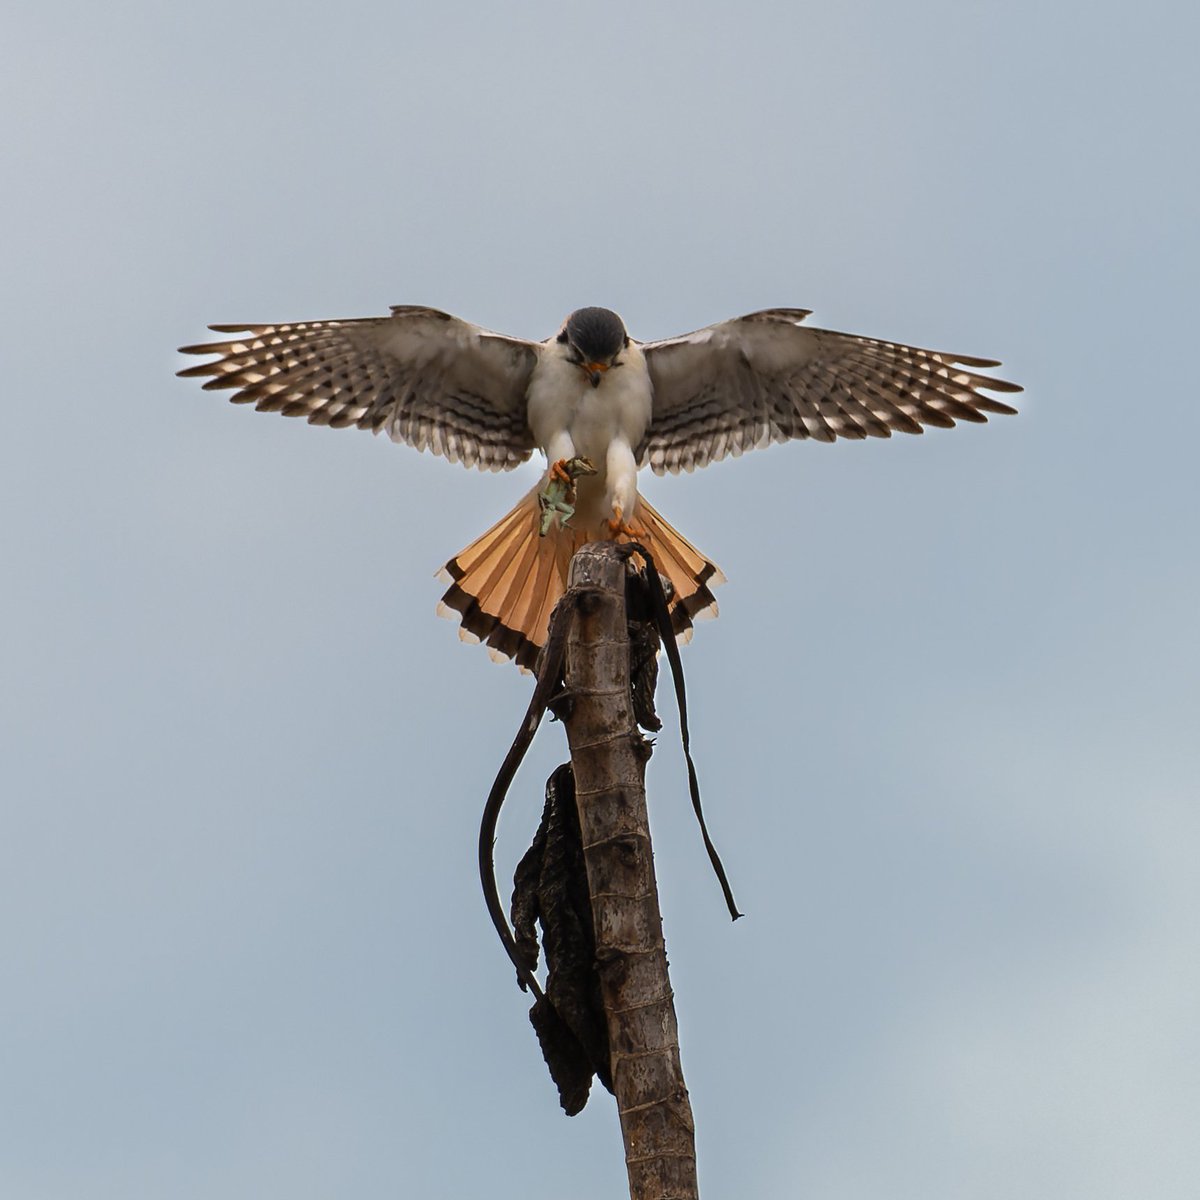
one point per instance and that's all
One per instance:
(608, 755)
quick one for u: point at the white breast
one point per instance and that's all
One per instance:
(564, 405)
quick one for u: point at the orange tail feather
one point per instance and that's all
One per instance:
(505, 584)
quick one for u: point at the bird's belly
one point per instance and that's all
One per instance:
(594, 426)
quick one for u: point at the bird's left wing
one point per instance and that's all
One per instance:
(426, 378)
(763, 378)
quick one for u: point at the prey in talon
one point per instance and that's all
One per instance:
(557, 498)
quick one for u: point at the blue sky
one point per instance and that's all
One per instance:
(945, 724)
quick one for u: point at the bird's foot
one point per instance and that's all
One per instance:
(566, 470)
(619, 527)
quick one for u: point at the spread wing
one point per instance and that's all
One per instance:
(426, 378)
(763, 378)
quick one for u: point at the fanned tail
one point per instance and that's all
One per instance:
(691, 573)
(505, 584)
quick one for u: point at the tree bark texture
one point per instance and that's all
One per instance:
(608, 756)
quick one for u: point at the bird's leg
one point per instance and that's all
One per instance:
(619, 527)
(622, 487)
(558, 470)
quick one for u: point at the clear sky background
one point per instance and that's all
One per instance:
(946, 725)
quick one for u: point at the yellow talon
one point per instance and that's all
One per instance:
(618, 527)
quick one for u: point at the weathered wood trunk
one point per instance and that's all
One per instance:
(608, 755)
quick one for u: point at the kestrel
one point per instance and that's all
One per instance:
(600, 406)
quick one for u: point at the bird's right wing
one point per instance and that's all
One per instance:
(426, 378)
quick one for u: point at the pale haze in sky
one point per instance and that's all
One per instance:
(946, 725)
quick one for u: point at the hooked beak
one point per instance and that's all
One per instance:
(595, 372)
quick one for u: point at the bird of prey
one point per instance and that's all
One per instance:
(599, 405)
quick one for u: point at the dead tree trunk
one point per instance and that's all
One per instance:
(608, 756)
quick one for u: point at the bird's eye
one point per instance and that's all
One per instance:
(562, 337)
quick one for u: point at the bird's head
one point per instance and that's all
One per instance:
(594, 338)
